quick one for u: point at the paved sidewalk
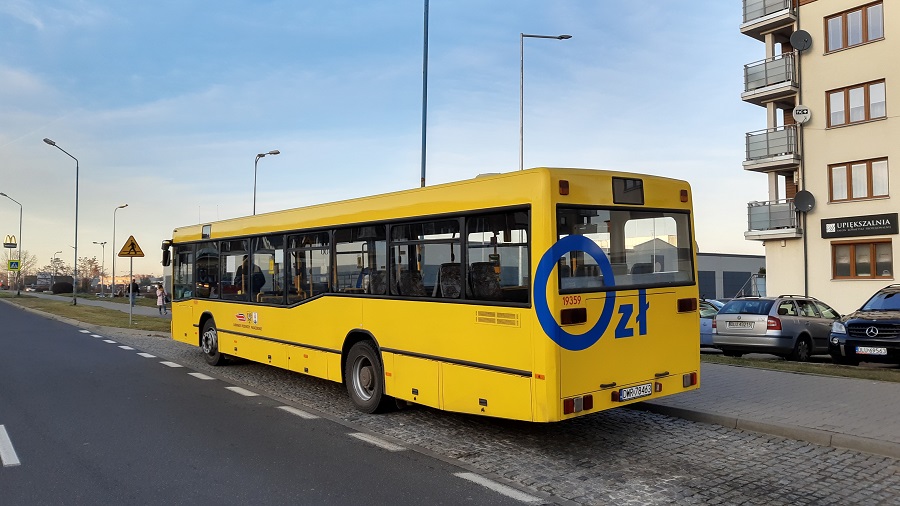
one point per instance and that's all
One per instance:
(841, 412)
(118, 306)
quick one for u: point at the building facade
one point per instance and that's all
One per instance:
(830, 149)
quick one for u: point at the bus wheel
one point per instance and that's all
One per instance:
(364, 376)
(209, 344)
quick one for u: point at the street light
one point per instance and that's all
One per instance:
(261, 155)
(75, 276)
(113, 288)
(53, 264)
(18, 272)
(522, 37)
(102, 264)
(424, 90)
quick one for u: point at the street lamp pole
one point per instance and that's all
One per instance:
(75, 277)
(53, 264)
(113, 288)
(261, 155)
(522, 37)
(424, 91)
(19, 272)
(102, 264)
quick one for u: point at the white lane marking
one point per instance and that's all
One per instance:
(126, 347)
(242, 391)
(110, 341)
(499, 488)
(95, 335)
(147, 355)
(85, 331)
(200, 375)
(391, 447)
(171, 364)
(8, 455)
(298, 412)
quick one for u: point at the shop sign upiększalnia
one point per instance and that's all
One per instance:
(855, 226)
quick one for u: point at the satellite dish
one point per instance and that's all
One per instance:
(801, 40)
(801, 114)
(804, 201)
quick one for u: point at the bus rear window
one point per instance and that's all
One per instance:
(643, 249)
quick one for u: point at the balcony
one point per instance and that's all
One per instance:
(764, 16)
(776, 219)
(772, 149)
(770, 79)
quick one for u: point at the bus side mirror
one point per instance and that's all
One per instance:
(166, 258)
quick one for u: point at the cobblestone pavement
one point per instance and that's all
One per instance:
(615, 457)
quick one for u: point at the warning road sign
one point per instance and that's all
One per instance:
(131, 249)
(12, 265)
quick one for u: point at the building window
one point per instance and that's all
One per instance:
(858, 180)
(854, 27)
(866, 260)
(855, 104)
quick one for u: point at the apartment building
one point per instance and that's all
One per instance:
(829, 148)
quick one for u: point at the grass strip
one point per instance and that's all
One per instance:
(89, 314)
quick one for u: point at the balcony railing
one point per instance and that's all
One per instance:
(755, 9)
(772, 215)
(772, 142)
(779, 69)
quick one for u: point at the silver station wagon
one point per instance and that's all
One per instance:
(792, 326)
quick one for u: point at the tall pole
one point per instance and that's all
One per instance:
(261, 155)
(113, 288)
(522, 87)
(53, 264)
(18, 272)
(424, 91)
(102, 264)
(75, 276)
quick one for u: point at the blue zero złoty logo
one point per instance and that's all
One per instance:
(545, 267)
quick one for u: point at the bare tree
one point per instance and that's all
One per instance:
(26, 264)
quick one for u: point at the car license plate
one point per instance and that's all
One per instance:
(739, 325)
(626, 394)
(870, 350)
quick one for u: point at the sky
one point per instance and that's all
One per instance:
(166, 104)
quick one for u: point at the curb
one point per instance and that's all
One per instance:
(815, 436)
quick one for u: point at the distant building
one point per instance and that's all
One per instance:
(826, 83)
(726, 276)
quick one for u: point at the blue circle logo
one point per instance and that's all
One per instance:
(545, 267)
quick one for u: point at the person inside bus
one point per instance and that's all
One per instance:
(240, 276)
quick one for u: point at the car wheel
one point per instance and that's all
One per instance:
(209, 344)
(802, 350)
(364, 376)
(731, 353)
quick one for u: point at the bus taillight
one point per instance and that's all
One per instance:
(689, 379)
(578, 404)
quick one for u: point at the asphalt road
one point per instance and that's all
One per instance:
(88, 420)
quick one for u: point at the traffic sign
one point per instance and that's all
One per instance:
(131, 249)
(12, 265)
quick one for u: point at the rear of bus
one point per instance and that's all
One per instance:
(620, 304)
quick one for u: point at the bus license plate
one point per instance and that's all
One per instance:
(740, 325)
(626, 394)
(869, 350)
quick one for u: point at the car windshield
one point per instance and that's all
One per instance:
(747, 306)
(883, 301)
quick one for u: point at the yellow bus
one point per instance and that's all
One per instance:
(538, 295)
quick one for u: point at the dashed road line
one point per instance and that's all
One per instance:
(200, 375)
(242, 391)
(126, 347)
(85, 331)
(95, 335)
(8, 455)
(110, 341)
(298, 412)
(381, 443)
(499, 488)
(147, 355)
(171, 364)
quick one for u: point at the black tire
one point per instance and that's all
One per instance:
(209, 344)
(802, 350)
(732, 353)
(842, 360)
(364, 377)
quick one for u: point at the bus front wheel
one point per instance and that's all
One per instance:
(209, 344)
(364, 376)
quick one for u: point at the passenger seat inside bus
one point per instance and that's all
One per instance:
(484, 282)
(410, 283)
(448, 285)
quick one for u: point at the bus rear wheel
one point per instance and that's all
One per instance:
(209, 344)
(364, 376)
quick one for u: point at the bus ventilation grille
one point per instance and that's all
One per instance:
(495, 318)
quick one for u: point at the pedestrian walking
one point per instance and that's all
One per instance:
(161, 297)
(134, 289)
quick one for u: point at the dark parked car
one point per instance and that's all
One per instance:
(870, 334)
(792, 326)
